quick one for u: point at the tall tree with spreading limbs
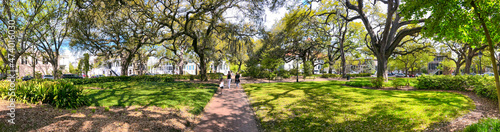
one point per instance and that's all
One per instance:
(390, 32)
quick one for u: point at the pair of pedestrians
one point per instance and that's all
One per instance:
(237, 81)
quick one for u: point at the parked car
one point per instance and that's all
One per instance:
(26, 78)
(418, 74)
(71, 76)
(411, 75)
(48, 77)
(489, 74)
(149, 74)
(133, 75)
(390, 74)
(400, 75)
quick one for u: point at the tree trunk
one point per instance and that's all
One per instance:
(239, 66)
(341, 48)
(457, 66)
(203, 68)
(342, 62)
(382, 67)
(181, 65)
(34, 66)
(181, 71)
(55, 68)
(304, 67)
(468, 62)
(124, 64)
(330, 68)
(312, 68)
(330, 60)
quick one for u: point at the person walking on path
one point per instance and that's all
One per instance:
(237, 79)
(229, 80)
(221, 85)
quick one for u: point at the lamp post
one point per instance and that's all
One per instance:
(480, 54)
(297, 58)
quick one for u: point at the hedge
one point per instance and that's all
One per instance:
(481, 85)
(360, 83)
(330, 76)
(156, 78)
(215, 75)
(360, 75)
(447, 82)
(351, 75)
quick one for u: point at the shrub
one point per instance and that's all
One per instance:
(485, 125)
(488, 91)
(447, 82)
(264, 74)
(293, 71)
(271, 76)
(359, 84)
(378, 82)
(398, 82)
(286, 76)
(191, 77)
(253, 71)
(325, 76)
(330, 76)
(214, 75)
(38, 75)
(360, 75)
(59, 93)
(335, 75)
(486, 87)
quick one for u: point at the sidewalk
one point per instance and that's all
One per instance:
(231, 111)
(228, 112)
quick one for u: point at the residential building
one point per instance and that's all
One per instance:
(292, 65)
(432, 67)
(112, 67)
(25, 65)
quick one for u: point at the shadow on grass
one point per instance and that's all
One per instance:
(177, 94)
(48, 118)
(329, 106)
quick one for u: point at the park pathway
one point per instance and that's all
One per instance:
(229, 112)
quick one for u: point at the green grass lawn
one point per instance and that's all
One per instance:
(330, 106)
(162, 94)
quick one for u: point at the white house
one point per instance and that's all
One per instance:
(292, 65)
(112, 67)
